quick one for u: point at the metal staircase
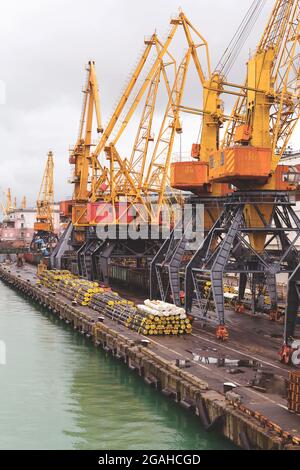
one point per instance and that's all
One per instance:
(63, 245)
(85, 258)
(165, 266)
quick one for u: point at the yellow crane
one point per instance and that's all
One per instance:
(95, 184)
(100, 174)
(9, 206)
(166, 265)
(258, 223)
(44, 237)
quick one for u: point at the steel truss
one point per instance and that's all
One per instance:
(175, 252)
(227, 249)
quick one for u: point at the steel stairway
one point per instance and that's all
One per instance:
(165, 266)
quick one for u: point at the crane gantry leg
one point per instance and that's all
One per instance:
(228, 249)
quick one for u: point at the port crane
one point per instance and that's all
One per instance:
(258, 229)
(10, 206)
(165, 265)
(101, 174)
(44, 238)
(188, 176)
(77, 232)
(85, 169)
(191, 176)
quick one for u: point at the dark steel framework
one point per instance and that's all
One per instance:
(169, 264)
(95, 255)
(227, 249)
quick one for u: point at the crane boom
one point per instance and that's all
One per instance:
(129, 89)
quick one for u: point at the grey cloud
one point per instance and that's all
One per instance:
(43, 48)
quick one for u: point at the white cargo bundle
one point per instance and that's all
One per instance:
(162, 309)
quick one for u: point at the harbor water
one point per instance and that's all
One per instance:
(59, 392)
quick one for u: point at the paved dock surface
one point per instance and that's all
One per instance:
(251, 338)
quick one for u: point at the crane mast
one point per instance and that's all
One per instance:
(9, 204)
(45, 201)
(80, 155)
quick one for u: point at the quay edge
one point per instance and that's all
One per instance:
(215, 412)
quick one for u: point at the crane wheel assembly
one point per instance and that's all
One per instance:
(222, 333)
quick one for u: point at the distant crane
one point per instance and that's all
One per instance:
(44, 237)
(8, 207)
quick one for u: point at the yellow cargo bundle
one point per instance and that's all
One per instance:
(154, 318)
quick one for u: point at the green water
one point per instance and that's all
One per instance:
(58, 392)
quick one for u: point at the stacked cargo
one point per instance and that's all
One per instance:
(162, 318)
(51, 279)
(294, 392)
(153, 318)
(78, 290)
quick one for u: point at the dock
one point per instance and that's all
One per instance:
(194, 370)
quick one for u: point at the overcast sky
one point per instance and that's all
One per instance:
(44, 46)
